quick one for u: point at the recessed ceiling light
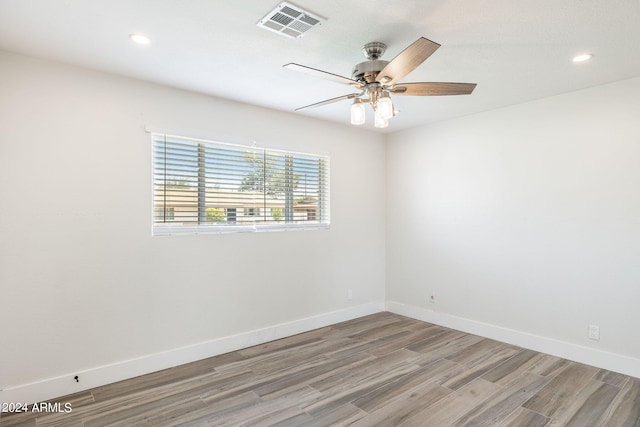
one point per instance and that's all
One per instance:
(139, 38)
(583, 57)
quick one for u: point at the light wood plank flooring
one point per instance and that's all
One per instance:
(379, 370)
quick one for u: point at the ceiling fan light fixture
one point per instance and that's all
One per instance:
(358, 116)
(385, 106)
(380, 122)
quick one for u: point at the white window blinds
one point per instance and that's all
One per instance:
(203, 186)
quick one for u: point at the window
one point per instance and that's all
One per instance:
(164, 213)
(251, 211)
(231, 215)
(204, 186)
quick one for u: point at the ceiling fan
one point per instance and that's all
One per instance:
(378, 79)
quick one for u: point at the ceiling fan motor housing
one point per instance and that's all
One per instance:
(368, 70)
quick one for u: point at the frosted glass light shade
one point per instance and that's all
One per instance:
(380, 122)
(385, 106)
(358, 116)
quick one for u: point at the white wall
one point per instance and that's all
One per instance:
(525, 223)
(86, 289)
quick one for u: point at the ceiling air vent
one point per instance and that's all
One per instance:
(289, 20)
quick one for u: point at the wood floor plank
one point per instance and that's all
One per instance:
(299, 420)
(624, 411)
(299, 374)
(164, 415)
(612, 378)
(411, 336)
(440, 338)
(362, 371)
(364, 346)
(501, 404)
(448, 344)
(479, 352)
(371, 334)
(59, 420)
(523, 417)
(270, 362)
(380, 396)
(364, 323)
(317, 335)
(513, 367)
(549, 366)
(594, 407)
(453, 406)
(378, 370)
(18, 421)
(363, 382)
(403, 408)
(476, 365)
(324, 373)
(219, 410)
(557, 395)
(270, 412)
(344, 415)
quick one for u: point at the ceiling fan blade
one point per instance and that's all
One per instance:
(407, 60)
(433, 89)
(330, 101)
(324, 74)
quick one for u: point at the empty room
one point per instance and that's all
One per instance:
(366, 213)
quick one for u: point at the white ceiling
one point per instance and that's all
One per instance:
(515, 51)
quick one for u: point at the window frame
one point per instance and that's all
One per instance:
(292, 221)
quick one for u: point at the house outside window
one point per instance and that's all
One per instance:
(164, 214)
(251, 211)
(231, 215)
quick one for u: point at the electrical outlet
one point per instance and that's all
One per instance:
(594, 332)
(350, 295)
(432, 298)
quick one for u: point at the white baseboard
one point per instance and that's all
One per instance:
(101, 375)
(566, 350)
